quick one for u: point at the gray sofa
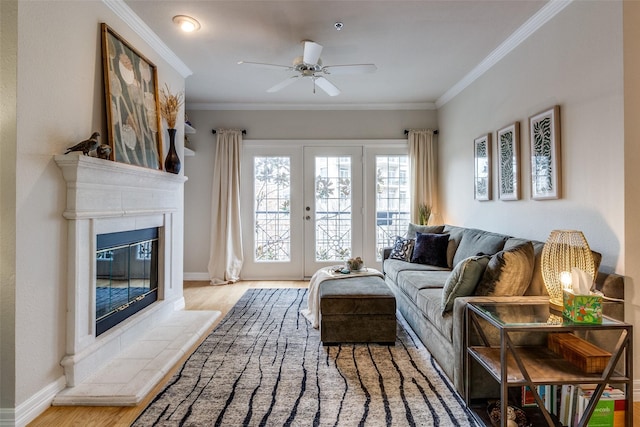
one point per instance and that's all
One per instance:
(418, 289)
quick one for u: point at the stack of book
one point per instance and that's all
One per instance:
(609, 411)
(548, 394)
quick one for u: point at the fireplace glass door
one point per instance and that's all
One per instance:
(127, 275)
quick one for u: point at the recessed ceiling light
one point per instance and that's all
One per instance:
(186, 23)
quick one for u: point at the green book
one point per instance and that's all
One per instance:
(603, 414)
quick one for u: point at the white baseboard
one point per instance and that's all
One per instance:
(197, 276)
(29, 410)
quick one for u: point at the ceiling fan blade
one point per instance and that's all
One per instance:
(267, 66)
(350, 69)
(327, 86)
(282, 84)
(311, 53)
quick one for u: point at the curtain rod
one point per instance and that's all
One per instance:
(244, 131)
(435, 132)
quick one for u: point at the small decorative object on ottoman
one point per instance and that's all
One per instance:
(357, 309)
(355, 264)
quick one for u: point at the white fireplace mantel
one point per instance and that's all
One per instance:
(105, 197)
(101, 188)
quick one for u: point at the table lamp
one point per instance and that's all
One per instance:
(564, 250)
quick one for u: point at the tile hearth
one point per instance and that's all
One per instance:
(129, 377)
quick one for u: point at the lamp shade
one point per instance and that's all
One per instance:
(564, 250)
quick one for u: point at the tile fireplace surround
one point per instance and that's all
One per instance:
(107, 197)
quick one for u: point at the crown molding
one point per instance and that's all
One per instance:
(533, 24)
(264, 106)
(124, 12)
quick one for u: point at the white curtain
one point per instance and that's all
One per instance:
(423, 158)
(225, 254)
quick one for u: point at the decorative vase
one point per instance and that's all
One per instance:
(172, 162)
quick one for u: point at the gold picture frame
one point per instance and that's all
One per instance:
(132, 105)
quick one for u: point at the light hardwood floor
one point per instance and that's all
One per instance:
(198, 296)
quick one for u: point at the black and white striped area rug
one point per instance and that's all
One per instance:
(264, 365)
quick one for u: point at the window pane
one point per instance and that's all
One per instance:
(333, 208)
(393, 199)
(272, 208)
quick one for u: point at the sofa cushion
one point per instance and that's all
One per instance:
(392, 267)
(412, 229)
(402, 249)
(463, 280)
(430, 249)
(508, 272)
(536, 287)
(455, 236)
(411, 282)
(428, 301)
(478, 242)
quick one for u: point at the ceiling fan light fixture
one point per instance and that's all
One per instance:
(186, 23)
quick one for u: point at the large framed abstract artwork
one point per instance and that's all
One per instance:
(544, 129)
(482, 167)
(131, 94)
(509, 162)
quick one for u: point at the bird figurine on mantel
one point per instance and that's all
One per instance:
(86, 145)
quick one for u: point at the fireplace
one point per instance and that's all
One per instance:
(126, 275)
(111, 206)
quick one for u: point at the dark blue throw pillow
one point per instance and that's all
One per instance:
(431, 249)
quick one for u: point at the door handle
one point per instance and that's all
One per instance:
(307, 217)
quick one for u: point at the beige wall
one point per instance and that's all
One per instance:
(8, 89)
(297, 125)
(60, 102)
(574, 61)
(631, 162)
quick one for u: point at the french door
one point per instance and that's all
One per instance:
(272, 212)
(303, 207)
(333, 204)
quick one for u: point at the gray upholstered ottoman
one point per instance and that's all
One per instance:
(357, 309)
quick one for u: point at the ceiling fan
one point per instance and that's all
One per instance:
(310, 65)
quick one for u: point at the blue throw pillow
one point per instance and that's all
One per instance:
(431, 249)
(401, 249)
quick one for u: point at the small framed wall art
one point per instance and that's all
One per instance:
(482, 167)
(544, 135)
(131, 93)
(509, 162)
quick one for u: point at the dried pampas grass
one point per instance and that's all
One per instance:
(170, 105)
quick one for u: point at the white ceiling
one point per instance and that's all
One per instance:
(422, 48)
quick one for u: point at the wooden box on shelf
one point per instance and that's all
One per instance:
(583, 354)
